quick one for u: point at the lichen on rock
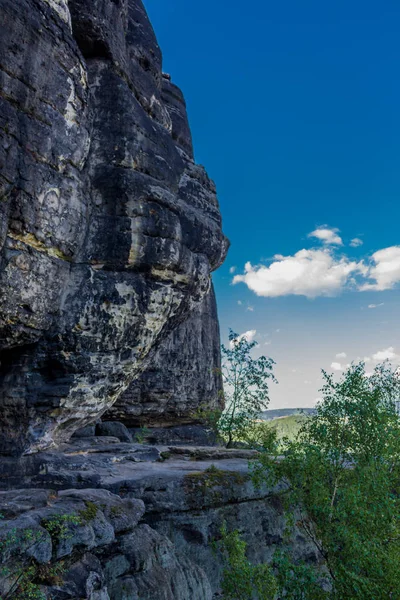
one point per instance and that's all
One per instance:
(108, 229)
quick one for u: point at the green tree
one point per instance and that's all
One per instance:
(245, 387)
(343, 476)
(241, 580)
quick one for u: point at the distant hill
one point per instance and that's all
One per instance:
(278, 413)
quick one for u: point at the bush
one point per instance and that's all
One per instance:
(343, 475)
(241, 579)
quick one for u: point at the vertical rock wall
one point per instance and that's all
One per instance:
(108, 228)
(182, 375)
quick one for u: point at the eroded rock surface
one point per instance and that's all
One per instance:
(108, 228)
(183, 375)
(139, 521)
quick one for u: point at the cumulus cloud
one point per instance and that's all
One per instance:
(384, 270)
(250, 308)
(327, 235)
(307, 273)
(386, 354)
(232, 270)
(341, 355)
(336, 366)
(323, 271)
(248, 335)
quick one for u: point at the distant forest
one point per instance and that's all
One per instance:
(270, 415)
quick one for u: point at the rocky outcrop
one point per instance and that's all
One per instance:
(182, 375)
(136, 522)
(108, 229)
(88, 544)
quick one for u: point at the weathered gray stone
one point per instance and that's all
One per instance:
(183, 374)
(83, 579)
(24, 536)
(17, 502)
(88, 431)
(160, 573)
(122, 514)
(108, 229)
(114, 429)
(124, 588)
(119, 549)
(189, 434)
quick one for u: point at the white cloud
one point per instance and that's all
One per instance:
(387, 354)
(232, 270)
(336, 366)
(341, 355)
(385, 270)
(307, 273)
(375, 305)
(240, 302)
(327, 235)
(355, 242)
(248, 335)
(250, 308)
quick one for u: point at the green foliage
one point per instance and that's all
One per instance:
(260, 436)
(19, 539)
(58, 526)
(297, 581)
(287, 427)
(245, 386)
(29, 577)
(142, 434)
(209, 417)
(241, 579)
(89, 513)
(24, 574)
(343, 475)
(208, 485)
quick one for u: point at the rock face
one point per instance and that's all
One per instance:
(108, 228)
(133, 522)
(88, 544)
(183, 374)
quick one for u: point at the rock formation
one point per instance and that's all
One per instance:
(108, 234)
(133, 522)
(108, 228)
(182, 375)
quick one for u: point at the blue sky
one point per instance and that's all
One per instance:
(294, 110)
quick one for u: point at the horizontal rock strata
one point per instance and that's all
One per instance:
(138, 522)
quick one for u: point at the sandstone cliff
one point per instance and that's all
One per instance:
(131, 522)
(108, 228)
(108, 234)
(182, 375)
